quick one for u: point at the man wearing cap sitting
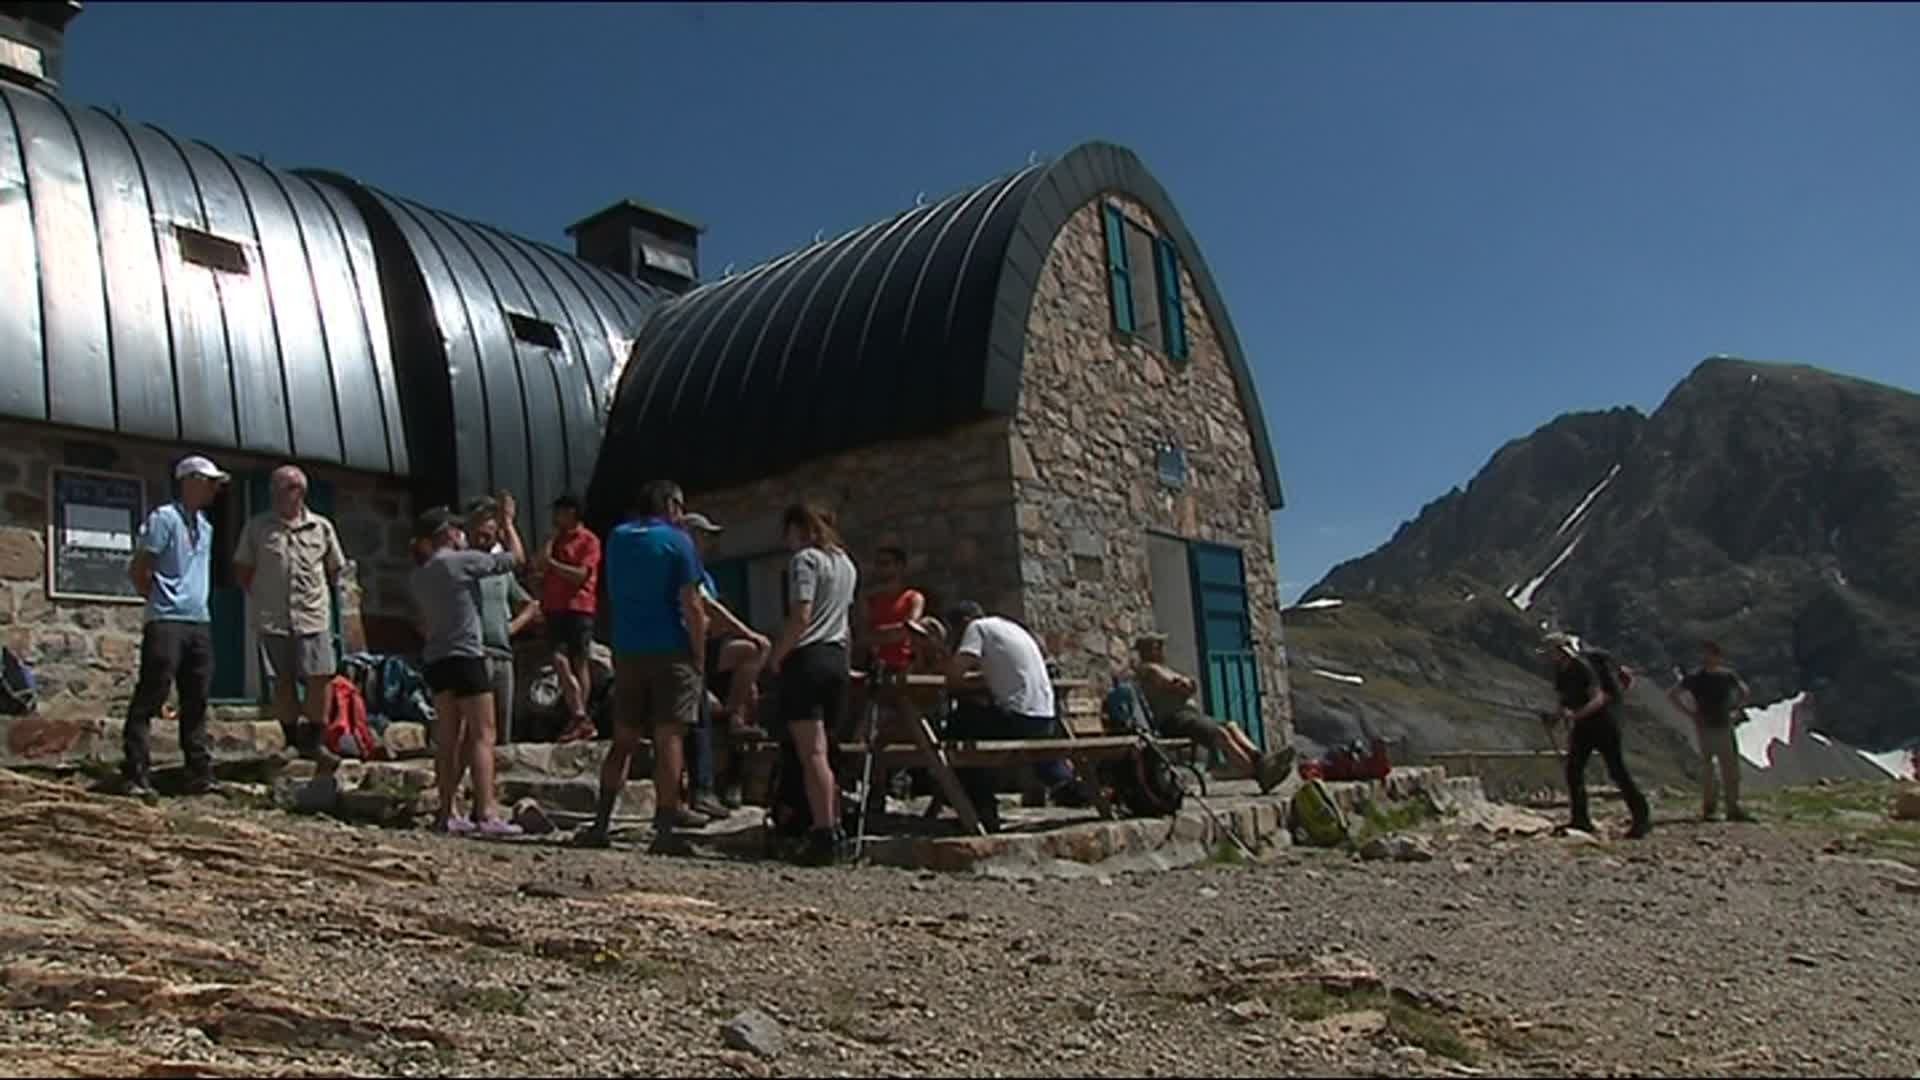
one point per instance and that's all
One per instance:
(446, 589)
(1169, 697)
(170, 569)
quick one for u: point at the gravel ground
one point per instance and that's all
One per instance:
(248, 943)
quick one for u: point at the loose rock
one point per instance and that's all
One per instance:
(756, 1033)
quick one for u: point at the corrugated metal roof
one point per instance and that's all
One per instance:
(900, 329)
(156, 287)
(514, 349)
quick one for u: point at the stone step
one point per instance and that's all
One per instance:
(398, 792)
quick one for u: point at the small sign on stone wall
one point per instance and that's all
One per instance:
(93, 522)
(1172, 463)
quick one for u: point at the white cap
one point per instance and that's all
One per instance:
(199, 466)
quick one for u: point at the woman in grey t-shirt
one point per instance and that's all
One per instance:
(810, 659)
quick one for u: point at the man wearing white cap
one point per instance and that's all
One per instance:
(170, 568)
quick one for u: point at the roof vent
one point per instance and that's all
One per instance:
(642, 242)
(32, 38)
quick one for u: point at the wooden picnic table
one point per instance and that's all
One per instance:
(914, 696)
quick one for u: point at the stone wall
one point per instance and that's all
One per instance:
(1095, 408)
(85, 654)
(947, 500)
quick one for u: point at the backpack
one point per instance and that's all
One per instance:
(347, 733)
(1316, 819)
(1125, 712)
(1615, 680)
(1145, 783)
(17, 694)
(403, 694)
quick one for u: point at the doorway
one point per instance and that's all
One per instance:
(1200, 602)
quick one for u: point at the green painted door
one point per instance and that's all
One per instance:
(1232, 669)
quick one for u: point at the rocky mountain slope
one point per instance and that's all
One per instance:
(1773, 508)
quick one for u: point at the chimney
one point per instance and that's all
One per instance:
(641, 242)
(32, 36)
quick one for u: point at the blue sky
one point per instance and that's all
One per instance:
(1437, 227)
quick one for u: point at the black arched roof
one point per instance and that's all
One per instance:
(899, 329)
(511, 349)
(107, 325)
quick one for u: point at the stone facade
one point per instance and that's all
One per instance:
(1095, 408)
(1045, 518)
(85, 654)
(947, 500)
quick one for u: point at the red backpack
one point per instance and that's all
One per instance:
(347, 732)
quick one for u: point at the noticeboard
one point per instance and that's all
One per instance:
(93, 522)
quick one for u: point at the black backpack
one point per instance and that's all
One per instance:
(17, 694)
(1614, 680)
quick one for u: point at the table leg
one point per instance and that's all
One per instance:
(935, 760)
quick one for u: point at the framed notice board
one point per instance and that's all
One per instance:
(93, 522)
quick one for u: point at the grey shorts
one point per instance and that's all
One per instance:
(301, 656)
(500, 674)
(654, 691)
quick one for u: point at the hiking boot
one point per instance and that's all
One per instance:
(1272, 770)
(593, 837)
(198, 785)
(1640, 829)
(705, 803)
(732, 797)
(1740, 816)
(139, 787)
(826, 847)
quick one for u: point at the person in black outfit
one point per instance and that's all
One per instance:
(1711, 695)
(1589, 709)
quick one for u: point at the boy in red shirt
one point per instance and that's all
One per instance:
(569, 598)
(891, 610)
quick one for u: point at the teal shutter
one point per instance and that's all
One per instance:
(1172, 312)
(1119, 274)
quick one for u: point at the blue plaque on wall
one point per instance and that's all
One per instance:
(1173, 467)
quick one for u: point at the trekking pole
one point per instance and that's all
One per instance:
(881, 678)
(1153, 746)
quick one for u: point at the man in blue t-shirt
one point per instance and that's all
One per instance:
(653, 583)
(170, 568)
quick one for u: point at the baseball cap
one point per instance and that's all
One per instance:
(1561, 642)
(195, 465)
(431, 523)
(700, 523)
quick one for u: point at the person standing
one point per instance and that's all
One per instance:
(811, 660)
(659, 624)
(446, 589)
(569, 599)
(1587, 705)
(170, 569)
(505, 610)
(1711, 695)
(735, 653)
(289, 561)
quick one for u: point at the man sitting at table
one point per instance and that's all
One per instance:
(1169, 697)
(998, 656)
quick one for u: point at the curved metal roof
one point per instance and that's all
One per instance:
(106, 325)
(905, 327)
(495, 401)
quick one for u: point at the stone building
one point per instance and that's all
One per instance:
(159, 297)
(1031, 385)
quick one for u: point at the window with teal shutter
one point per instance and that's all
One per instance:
(1172, 314)
(1119, 273)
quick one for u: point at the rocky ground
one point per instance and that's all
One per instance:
(207, 937)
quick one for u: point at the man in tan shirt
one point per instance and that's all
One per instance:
(289, 561)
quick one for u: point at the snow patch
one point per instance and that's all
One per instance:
(1337, 677)
(1895, 763)
(1588, 501)
(1316, 605)
(1523, 597)
(1766, 726)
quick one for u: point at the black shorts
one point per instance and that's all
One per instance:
(461, 676)
(813, 686)
(570, 633)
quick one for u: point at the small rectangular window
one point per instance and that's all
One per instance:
(210, 251)
(534, 331)
(671, 261)
(1146, 282)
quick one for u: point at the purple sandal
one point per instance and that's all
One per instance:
(454, 825)
(494, 828)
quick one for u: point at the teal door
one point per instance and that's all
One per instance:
(251, 493)
(1231, 683)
